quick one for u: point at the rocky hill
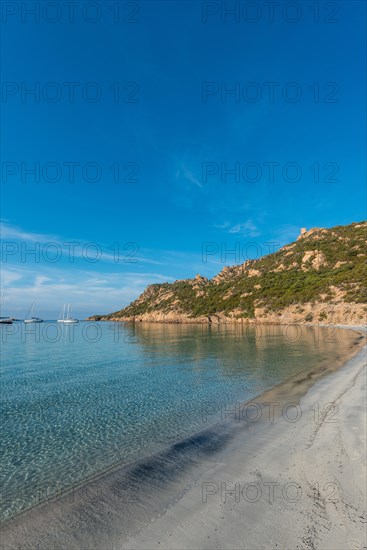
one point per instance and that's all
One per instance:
(321, 277)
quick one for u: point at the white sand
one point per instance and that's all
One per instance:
(323, 458)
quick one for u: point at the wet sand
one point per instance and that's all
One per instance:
(285, 471)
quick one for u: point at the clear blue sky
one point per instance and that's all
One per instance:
(175, 135)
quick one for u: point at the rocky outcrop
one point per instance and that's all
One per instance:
(313, 259)
(320, 278)
(307, 314)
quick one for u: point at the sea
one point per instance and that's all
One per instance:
(81, 400)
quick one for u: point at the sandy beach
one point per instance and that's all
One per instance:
(284, 471)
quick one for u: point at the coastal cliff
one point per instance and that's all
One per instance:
(319, 278)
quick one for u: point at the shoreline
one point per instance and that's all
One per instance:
(310, 314)
(112, 520)
(218, 320)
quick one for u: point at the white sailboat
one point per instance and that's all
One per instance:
(30, 317)
(66, 319)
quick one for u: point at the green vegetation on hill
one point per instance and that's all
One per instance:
(322, 265)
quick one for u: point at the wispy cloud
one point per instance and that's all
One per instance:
(89, 292)
(92, 288)
(246, 229)
(104, 286)
(224, 225)
(183, 172)
(8, 231)
(71, 247)
(9, 276)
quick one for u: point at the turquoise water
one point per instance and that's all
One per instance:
(77, 400)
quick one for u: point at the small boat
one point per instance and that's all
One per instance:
(65, 318)
(6, 321)
(32, 319)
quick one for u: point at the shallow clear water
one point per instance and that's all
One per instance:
(77, 400)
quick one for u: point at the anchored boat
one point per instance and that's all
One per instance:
(30, 317)
(66, 318)
(6, 321)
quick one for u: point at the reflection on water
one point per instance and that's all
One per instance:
(78, 400)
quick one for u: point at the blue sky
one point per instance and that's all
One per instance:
(164, 118)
